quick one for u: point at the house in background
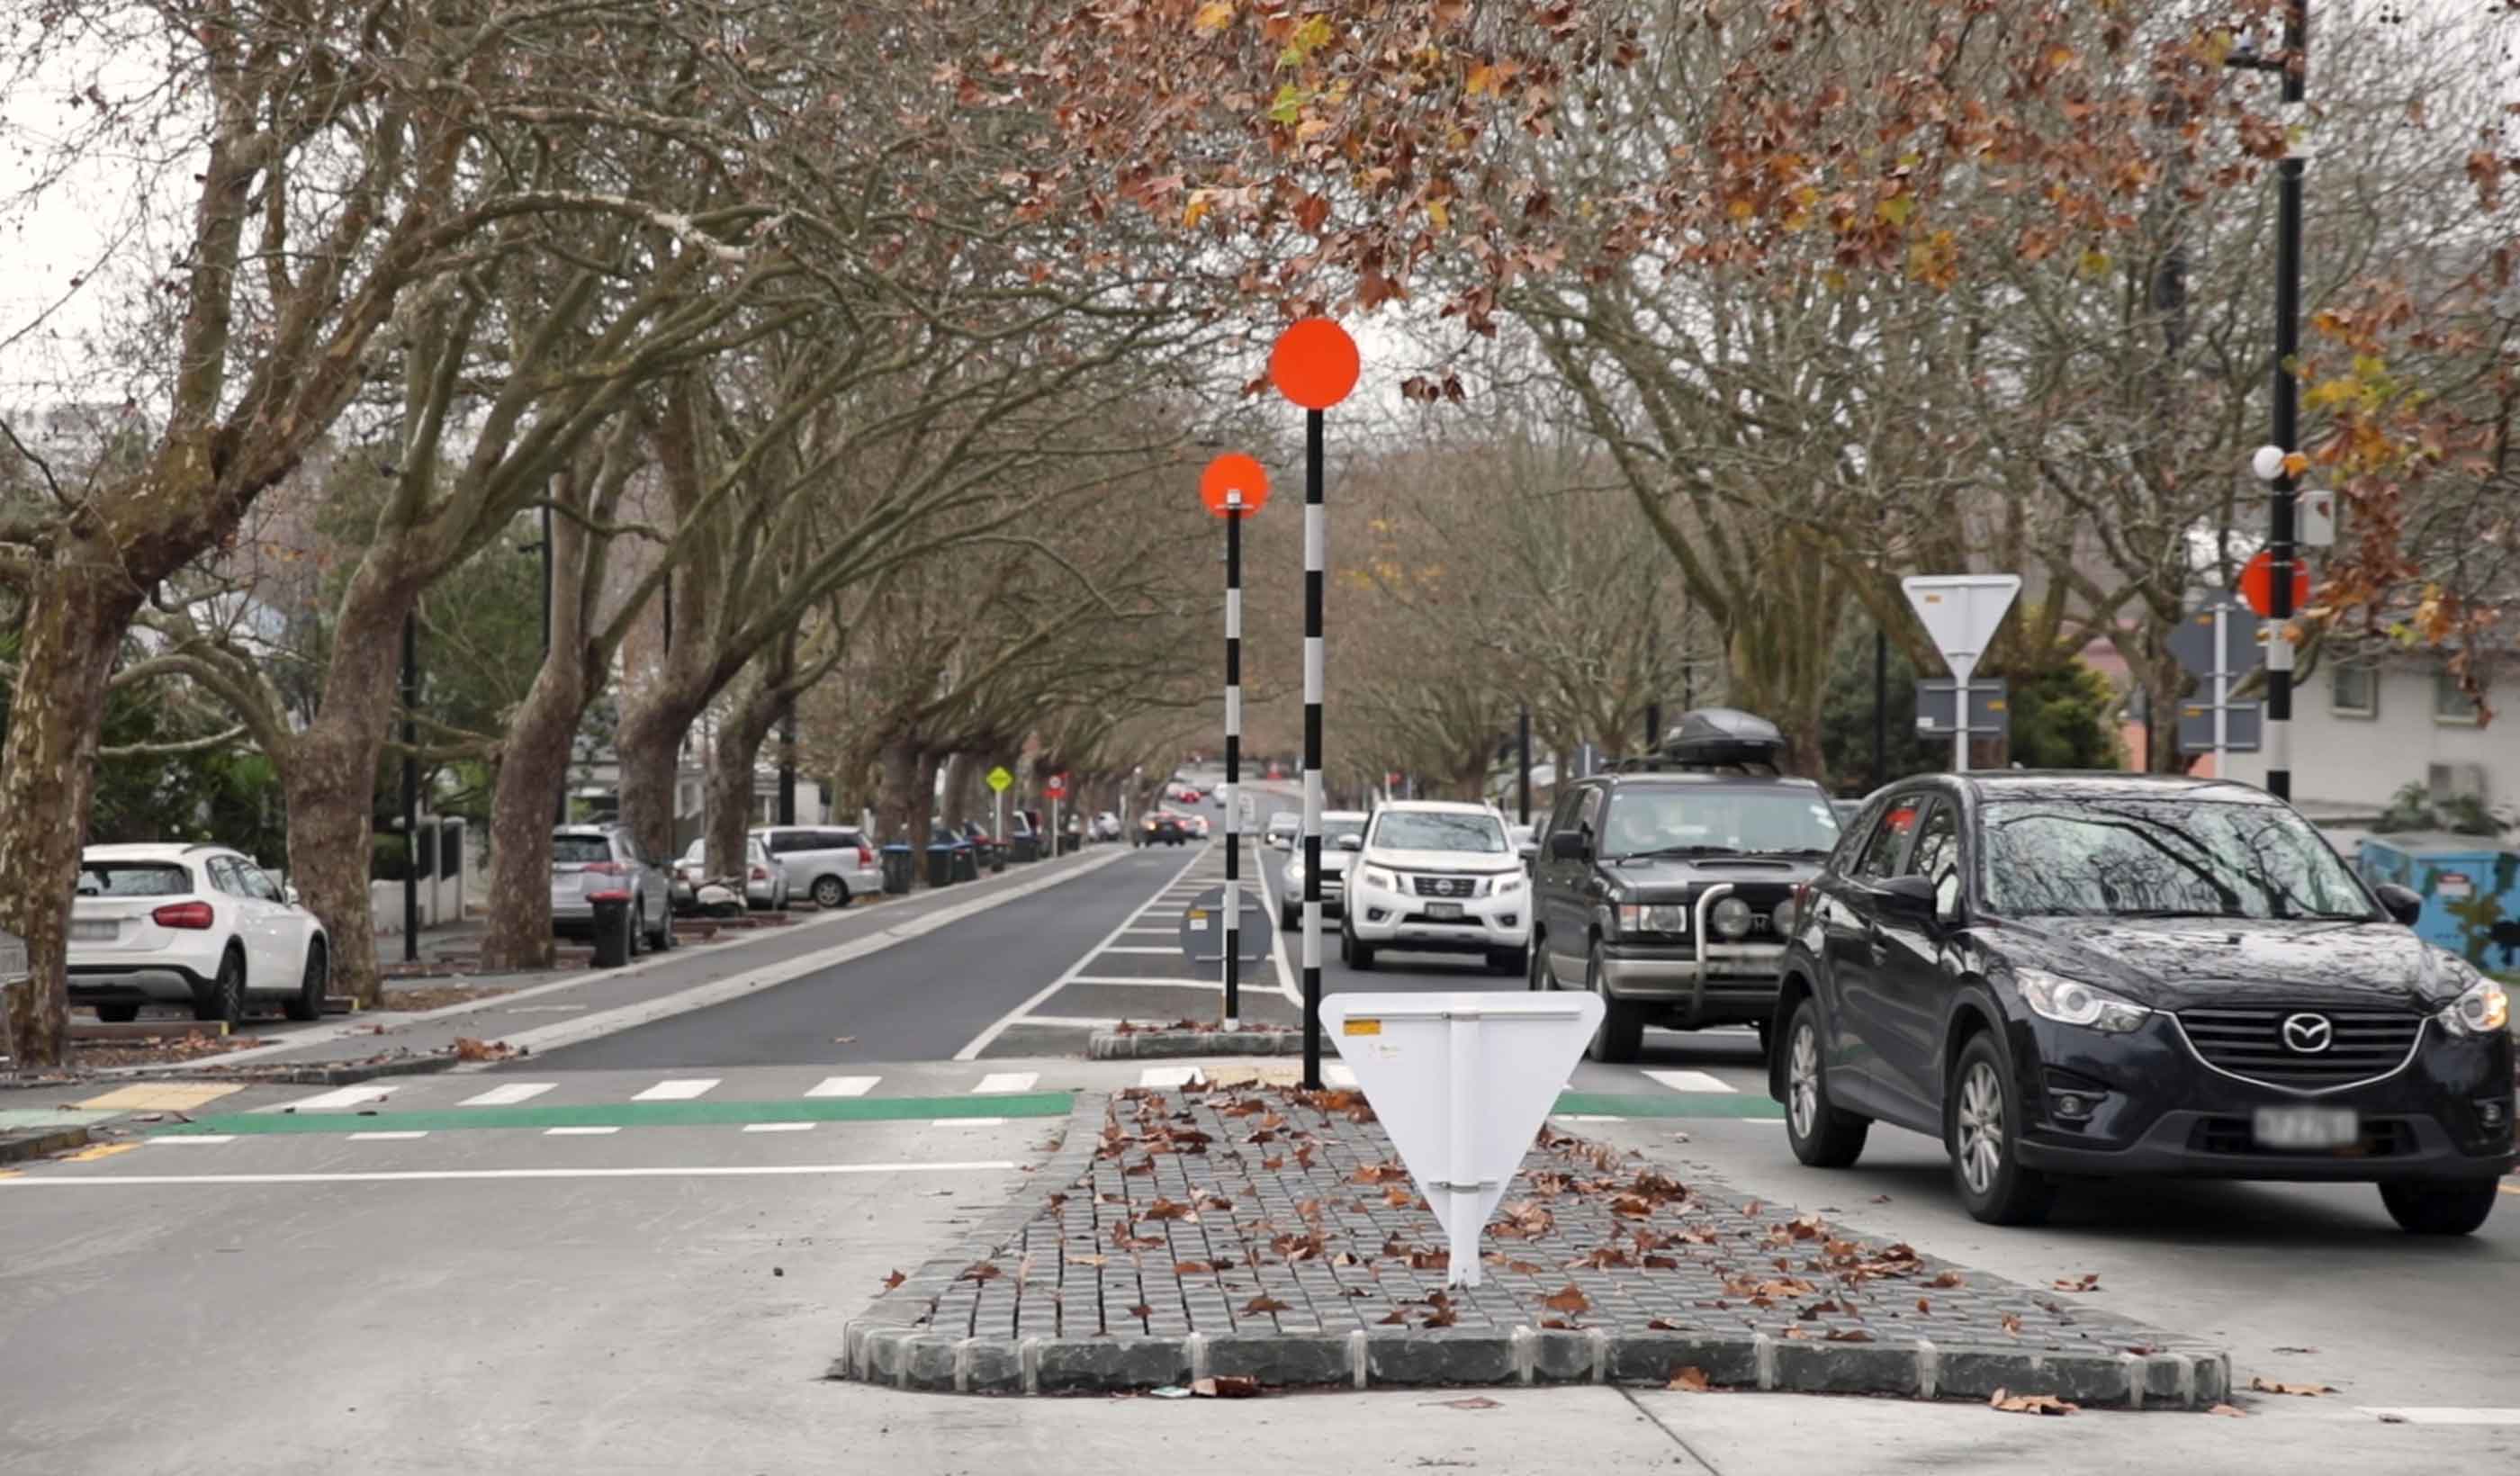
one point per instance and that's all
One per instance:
(2363, 731)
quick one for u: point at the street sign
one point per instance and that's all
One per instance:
(1461, 1081)
(1204, 933)
(1990, 707)
(2244, 640)
(2258, 583)
(1960, 611)
(1229, 474)
(2242, 723)
(1000, 780)
(2315, 518)
(1057, 788)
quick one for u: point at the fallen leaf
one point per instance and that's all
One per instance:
(2032, 1403)
(1751, 1208)
(2296, 1350)
(1880, 1199)
(1691, 1380)
(1397, 1319)
(1088, 1260)
(893, 1280)
(2090, 1282)
(2306, 1391)
(1850, 1335)
(1924, 1306)
(2012, 1324)
(984, 1271)
(1474, 1402)
(1524, 1268)
(1141, 1311)
(2230, 1411)
(1657, 1324)
(1192, 1269)
(2141, 1350)
(1226, 1386)
(1571, 1300)
(1947, 1280)
(1265, 1303)
(1165, 1209)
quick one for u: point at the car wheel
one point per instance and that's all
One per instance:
(2441, 1208)
(1508, 961)
(1982, 1132)
(1622, 1031)
(224, 999)
(635, 924)
(1353, 951)
(662, 939)
(307, 1004)
(117, 1014)
(830, 893)
(1536, 974)
(1820, 1134)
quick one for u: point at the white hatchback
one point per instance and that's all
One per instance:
(1437, 877)
(199, 926)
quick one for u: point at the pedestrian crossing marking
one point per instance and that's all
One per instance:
(162, 1096)
(845, 1085)
(508, 1096)
(778, 1126)
(1168, 1076)
(335, 1100)
(390, 1137)
(195, 1138)
(1006, 1080)
(969, 1122)
(578, 1132)
(682, 1089)
(1690, 1081)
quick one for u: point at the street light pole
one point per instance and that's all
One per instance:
(411, 787)
(1522, 783)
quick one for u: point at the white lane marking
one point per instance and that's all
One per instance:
(2445, 1415)
(986, 1038)
(1006, 1080)
(677, 1090)
(508, 1096)
(778, 1126)
(1584, 1117)
(1134, 949)
(173, 1139)
(1689, 1081)
(969, 1122)
(845, 1085)
(329, 1102)
(398, 1136)
(429, 1175)
(1161, 932)
(578, 1131)
(1167, 1076)
(1338, 1075)
(1125, 981)
(1278, 942)
(1063, 1021)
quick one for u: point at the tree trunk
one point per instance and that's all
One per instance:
(649, 749)
(731, 756)
(901, 805)
(533, 764)
(77, 610)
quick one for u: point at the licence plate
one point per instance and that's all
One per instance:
(2308, 1127)
(1444, 912)
(91, 932)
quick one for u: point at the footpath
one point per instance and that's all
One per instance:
(536, 1012)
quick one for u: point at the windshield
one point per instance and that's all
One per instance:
(1649, 819)
(1422, 830)
(2128, 858)
(580, 850)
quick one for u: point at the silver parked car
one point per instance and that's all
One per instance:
(765, 876)
(1284, 826)
(829, 864)
(589, 861)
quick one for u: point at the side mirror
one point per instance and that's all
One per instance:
(2402, 903)
(1351, 843)
(1910, 897)
(1568, 845)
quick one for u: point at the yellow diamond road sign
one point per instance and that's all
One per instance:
(999, 779)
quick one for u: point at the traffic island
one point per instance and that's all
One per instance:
(1272, 1235)
(1130, 1043)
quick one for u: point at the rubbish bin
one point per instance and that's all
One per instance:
(899, 870)
(1068, 844)
(613, 924)
(1027, 849)
(997, 856)
(940, 863)
(967, 862)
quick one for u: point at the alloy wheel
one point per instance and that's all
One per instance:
(1802, 1080)
(1981, 1128)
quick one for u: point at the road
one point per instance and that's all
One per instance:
(635, 1253)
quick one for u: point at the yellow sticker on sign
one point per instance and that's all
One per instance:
(1361, 1027)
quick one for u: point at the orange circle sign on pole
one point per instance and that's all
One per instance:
(1233, 473)
(2258, 583)
(1313, 363)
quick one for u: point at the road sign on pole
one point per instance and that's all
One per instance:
(1461, 1081)
(1234, 486)
(2220, 642)
(2258, 584)
(1000, 780)
(1990, 707)
(1212, 937)
(1960, 613)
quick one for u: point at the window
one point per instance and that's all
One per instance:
(1889, 833)
(1937, 857)
(223, 876)
(2451, 704)
(134, 878)
(2122, 858)
(1436, 830)
(1672, 819)
(580, 850)
(1587, 811)
(255, 884)
(2353, 691)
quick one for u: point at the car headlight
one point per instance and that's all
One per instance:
(1377, 876)
(1505, 886)
(2071, 1001)
(1732, 917)
(2483, 1010)
(1784, 917)
(1640, 917)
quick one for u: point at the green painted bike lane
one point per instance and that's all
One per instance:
(704, 1113)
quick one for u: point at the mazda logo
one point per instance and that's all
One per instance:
(2307, 1034)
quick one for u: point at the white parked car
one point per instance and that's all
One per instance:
(1437, 877)
(191, 924)
(1106, 825)
(1286, 827)
(765, 876)
(829, 864)
(1342, 833)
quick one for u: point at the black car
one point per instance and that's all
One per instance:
(1667, 887)
(2084, 974)
(1163, 827)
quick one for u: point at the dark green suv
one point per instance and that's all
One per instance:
(1667, 885)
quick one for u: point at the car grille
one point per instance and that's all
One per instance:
(1444, 886)
(2382, 1138)
(2249, 1041)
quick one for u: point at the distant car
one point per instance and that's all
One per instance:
(1436, 877)
(765, 878)
(1284, 827)
(589, 863)
(1106, 825)
(1187, 794)
(830, 863)
(1197, 824)
(1163, 827)
(191, 924)
(1342, 832)
(1525, 840)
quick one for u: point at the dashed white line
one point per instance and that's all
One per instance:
(1125, 981)
(678, 1090)
(177, 1140)
(578, 1131)
(398, 1136)
(986, 1038)
(1006, 1081)
(1134, 949)
(777, 1127)
(845, 1085)
(419, 1175)
(2446, 1414)
(1167, 1076)
(1689, 1081)
(1063, 1021)
(345, 1097)
(971, 1122)
(508, 1096)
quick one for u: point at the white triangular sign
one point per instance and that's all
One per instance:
(1960, 611)
(1461, 1081)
